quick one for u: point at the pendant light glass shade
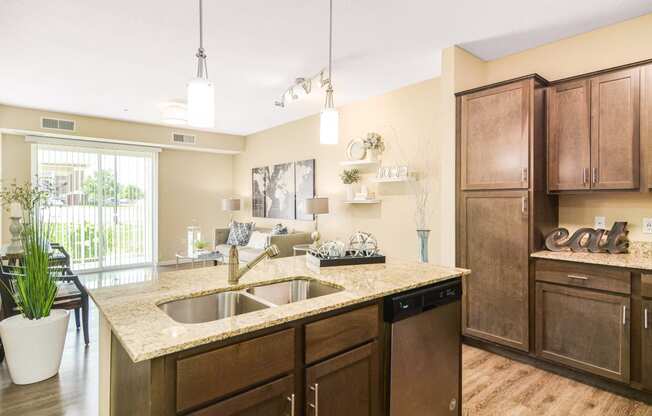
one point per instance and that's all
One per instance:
(201, 103)
(329, 125)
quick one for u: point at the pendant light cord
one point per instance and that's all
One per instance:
(202, 67)
(330, 42)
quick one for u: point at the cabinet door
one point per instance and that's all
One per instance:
(646, 339)
(569, 141)
(495, 126)
(615, 130)
(276, 398)
(646, 124)
(346, 385)
(584, 329)
(494, 245)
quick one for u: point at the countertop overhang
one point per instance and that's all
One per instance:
(146, 332)
(635, 260)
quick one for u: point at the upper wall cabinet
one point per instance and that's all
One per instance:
(593, 133)
(615, 99)
(495, 133)
(569, 138)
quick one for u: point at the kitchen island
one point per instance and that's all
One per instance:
(269, 357)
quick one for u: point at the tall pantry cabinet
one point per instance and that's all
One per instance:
(503, 209)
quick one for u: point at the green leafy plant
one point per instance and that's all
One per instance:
(350, 176)
(201, 245)
(374, 141)
(35, 290)
(28, 195)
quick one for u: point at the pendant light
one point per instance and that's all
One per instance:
(330, 118)
(201, 92)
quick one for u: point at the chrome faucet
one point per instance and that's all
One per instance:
(236, 272)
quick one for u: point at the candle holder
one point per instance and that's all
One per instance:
(16, 230)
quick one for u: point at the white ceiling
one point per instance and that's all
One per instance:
(99, 57)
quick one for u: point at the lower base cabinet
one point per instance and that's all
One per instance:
(346, 385)
(276, 398)
(585, 329)
(646, 341)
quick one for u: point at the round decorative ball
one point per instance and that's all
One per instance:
(363, 244)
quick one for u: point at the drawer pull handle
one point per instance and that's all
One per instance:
(524, 175)
(524, 205)
(624, 314)
(291, 400)
(645, 323)
(315, 406)
(577, 277)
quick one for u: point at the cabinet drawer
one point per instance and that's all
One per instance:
(270, 399)
(208, 376)
(332, 335)
(584, 275)
(646, 285)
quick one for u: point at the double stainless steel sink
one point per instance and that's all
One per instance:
(226, 304)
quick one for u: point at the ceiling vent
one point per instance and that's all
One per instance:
(178, 138)
(57, 124)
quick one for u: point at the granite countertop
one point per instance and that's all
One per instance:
(146, 332)
(639, 257)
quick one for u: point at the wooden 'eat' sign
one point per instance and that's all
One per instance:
(589, 239)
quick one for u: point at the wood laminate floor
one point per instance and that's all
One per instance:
(492, 385)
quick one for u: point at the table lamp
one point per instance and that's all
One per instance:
(231, 205)
(316, 207)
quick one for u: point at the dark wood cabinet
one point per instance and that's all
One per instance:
(646, 127)
(493, 228)
(495, 136)
(346, 385)
(615, 100)
(569, 137)
(276, 398)
(584, 329)
(646, 343)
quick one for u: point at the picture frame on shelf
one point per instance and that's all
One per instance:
(356, 150)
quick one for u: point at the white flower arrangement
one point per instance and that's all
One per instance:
(374, 141)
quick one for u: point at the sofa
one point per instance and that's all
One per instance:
(284, 242)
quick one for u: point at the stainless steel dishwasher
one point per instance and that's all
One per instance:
(425, 354)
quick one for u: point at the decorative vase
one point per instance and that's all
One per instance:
(424, 236)
(350, 192)
(33, 347)
(373, 155)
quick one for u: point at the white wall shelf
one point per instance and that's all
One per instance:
(363, 201)
(389, 180)
(359, 163)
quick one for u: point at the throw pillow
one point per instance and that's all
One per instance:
(258, 240)
(279, 229)
(239, 233)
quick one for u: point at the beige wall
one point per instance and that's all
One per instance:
(406, 118)
(26, 119)
(191, 184)
(604, 48)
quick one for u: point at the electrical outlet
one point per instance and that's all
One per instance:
(600, 222)
(647, 225)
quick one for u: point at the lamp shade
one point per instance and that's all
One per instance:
(231, 204)
(329, 125)
(317, 206)
(201, 103)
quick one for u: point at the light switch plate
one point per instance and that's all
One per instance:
(600, 222)
(647, 225)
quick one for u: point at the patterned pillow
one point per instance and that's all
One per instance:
(239, 233)
(279, 229)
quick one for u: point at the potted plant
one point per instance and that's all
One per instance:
(33, 340)
(375, 146)
(349, 178)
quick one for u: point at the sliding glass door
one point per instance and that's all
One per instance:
(102, 207)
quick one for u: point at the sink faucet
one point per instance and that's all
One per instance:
(236, 272)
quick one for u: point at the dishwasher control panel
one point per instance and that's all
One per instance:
(411, 303)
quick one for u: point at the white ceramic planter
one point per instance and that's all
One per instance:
(33, 348)
(350, 192)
